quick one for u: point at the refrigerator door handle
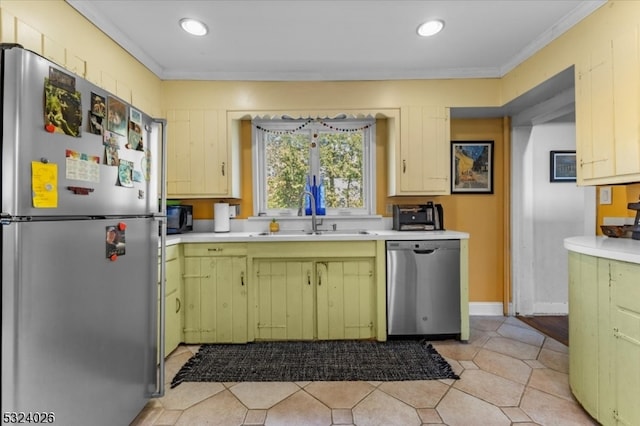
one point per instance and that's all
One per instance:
(5, 218)
(162, 218)
(159, 392)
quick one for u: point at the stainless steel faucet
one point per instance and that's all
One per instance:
(314, 224)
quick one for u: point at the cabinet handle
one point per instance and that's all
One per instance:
(242, 278)
(600, 160)
(215, 249)
(319, 279)
(404, 166)
(223, 164)
(178, 305)
(308, 277)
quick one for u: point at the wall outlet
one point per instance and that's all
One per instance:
(605, 195)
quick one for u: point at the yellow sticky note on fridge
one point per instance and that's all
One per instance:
(44, 185)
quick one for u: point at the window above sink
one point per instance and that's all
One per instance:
(287, 152)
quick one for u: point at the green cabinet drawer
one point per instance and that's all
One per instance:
(172, 252)
(215, 249)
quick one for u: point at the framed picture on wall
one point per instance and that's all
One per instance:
(472, 167)
(562, 166)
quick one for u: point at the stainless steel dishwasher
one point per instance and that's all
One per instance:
(423, 287)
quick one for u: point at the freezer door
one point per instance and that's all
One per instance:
(102, 189)
(78, 329)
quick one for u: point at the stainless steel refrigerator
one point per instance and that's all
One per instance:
(80, 231)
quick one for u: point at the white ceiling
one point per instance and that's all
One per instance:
(283, 40)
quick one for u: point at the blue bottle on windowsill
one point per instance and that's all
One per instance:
(307, 199)
(314, 191)
(321, 209)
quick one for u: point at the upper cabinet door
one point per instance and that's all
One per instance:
(422, 158)
(198, 160)
(607, 111)
(626, 103)
(594, 115)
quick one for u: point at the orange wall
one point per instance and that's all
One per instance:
(621, 195)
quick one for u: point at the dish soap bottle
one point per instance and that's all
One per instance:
(274, 226)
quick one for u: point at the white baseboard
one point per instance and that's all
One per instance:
(551, 308)
(485, 308)
(495, 309)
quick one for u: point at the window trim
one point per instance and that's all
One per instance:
(259, 169)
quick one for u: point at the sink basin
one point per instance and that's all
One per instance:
(346, 232)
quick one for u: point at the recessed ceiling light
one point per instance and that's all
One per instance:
(193, 26)
(430, 28)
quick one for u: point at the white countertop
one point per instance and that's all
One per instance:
(624, 249)
(213, 237)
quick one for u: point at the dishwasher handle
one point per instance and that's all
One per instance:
(428, 251)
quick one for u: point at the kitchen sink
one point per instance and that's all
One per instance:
(345, 232)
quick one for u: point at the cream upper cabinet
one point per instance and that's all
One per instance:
(607, 111)
(420, 160)
(199, 155)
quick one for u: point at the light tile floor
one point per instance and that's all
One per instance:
(510, 374)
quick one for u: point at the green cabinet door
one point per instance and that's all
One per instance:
(346, 299)
(215, 299)
(583, 330)
(625, 351)
(173, 321)
(285, 295)
(604, 337)
(173, 307)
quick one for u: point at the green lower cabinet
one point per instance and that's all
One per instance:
(345, 299)
(285, 300)
(625, 354)
(215, 299)
(306, 300)
(173, 307)
(583, 330)
(173, 322)
(173, 300)
(604, 338)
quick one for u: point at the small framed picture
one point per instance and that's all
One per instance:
(472, 167)
(562, 166)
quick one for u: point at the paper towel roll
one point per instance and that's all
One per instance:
(221, 217)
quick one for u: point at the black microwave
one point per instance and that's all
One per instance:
(179, 219)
